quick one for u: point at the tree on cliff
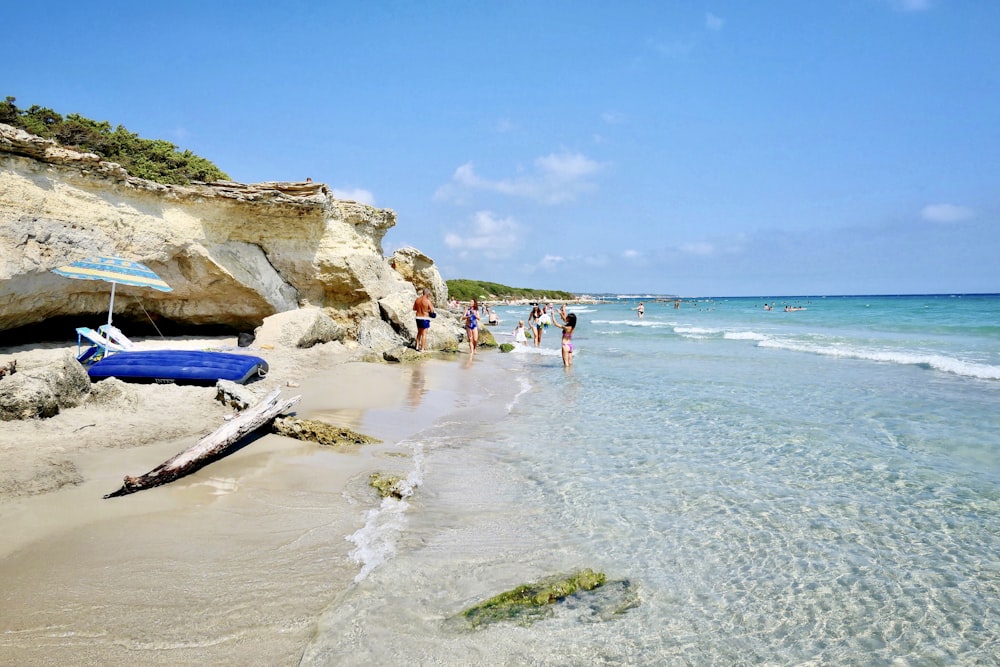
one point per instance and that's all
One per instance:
(152, 159)
(464, 289)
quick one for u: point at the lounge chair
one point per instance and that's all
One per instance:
(115, 335)
(100, 346)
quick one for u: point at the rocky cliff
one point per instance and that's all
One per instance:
(233, 253)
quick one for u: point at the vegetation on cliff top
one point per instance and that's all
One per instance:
(463, 290)
(152, 159)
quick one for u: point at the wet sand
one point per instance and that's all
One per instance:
(229, 566)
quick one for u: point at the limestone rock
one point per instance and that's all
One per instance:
(303, 327)
(234, 395)
(318, 431)
(390, 486)
(114, 392)
(233, 253)
(44, 390)
(402, 355)
(378, 336)
(419, 270)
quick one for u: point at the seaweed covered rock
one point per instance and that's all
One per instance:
(321, 432)
(389, 486)
(506, 347)
(530, 601)
(486, 338)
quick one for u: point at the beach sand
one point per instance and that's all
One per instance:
(229, 566)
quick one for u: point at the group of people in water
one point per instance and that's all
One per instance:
(538, 319)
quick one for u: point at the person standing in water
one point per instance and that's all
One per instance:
(641, 309)
(535, 322)
(424, 309)
(568, 327)
(472, 326)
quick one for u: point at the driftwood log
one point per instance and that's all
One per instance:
(210, 448)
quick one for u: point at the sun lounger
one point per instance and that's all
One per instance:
(100, 346)
(115, 335)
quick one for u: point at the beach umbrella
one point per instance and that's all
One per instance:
(116, 271)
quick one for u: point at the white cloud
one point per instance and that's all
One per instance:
(713, 22)
(487, 235)
(946, 213)
(354, 194)
(557, 178)
(631, 254)
(613, 117)
(551, 262)
(701, 249)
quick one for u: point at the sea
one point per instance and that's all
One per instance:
(759, 486)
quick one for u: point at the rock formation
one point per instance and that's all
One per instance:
(43, 391)
(233, 253)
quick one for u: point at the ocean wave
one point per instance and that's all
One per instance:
(745, 335)
(375, 542)
(937, 362)
(531, 349)
(635, 323)
(697, 332)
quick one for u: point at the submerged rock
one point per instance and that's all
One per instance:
(530, 601)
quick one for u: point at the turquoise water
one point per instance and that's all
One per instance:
(762, 487)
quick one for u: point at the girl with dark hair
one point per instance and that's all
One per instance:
(535, 322)
(568, 326)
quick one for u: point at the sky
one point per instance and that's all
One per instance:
(676, 147)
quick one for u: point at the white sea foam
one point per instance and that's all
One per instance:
(375, 542)
(524, 385)
(696, 332)
(635, 323)
(908, 358)
(744, 335)
(532, 350)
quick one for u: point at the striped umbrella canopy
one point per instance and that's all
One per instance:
(116, 271)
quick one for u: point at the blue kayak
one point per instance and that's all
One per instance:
(190, 366)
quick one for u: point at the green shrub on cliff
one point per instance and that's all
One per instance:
(463, 290)
(152, 159)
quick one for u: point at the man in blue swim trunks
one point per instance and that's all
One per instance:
(425, 311)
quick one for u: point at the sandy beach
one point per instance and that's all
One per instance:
(230, 565)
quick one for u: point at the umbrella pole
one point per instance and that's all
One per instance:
(111, 306)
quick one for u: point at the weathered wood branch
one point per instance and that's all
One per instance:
(210, 448)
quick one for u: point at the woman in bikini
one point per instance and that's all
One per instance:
(535, 322)
(568, 326)
(471, 318)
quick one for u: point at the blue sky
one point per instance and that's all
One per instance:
(673, 147)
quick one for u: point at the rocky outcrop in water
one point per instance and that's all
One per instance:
(233, 253)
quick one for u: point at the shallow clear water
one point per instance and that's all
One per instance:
(820, 486)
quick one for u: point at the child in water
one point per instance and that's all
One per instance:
(568, 326)
(520, 336)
